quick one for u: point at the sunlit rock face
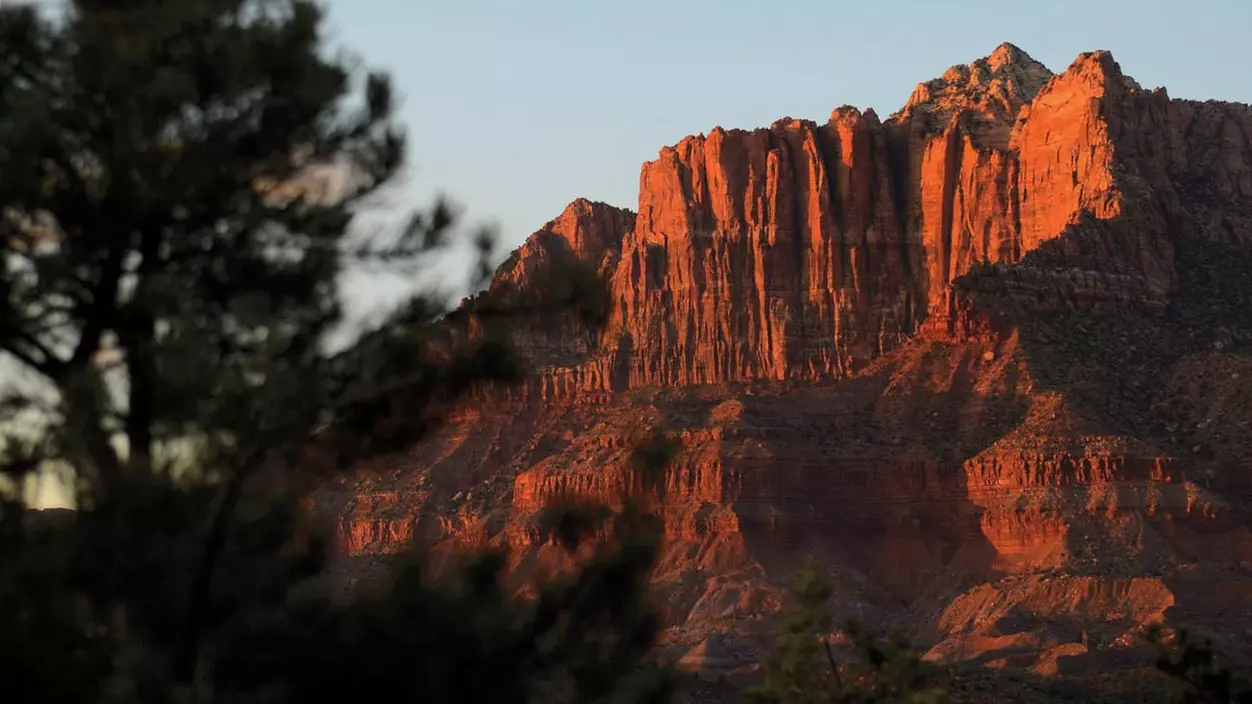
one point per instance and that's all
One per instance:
(986, 359)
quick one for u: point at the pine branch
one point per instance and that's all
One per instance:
(98, 314)
(50, 366)
(188, 655)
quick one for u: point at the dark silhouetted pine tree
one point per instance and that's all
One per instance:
(178, 185)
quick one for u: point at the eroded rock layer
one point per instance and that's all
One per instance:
(987, 359)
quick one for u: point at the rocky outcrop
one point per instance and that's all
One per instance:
(981, 358)
(586, 231)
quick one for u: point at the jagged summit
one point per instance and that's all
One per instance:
(1009, 54)
(1101, 72)
(589, 228)
(989, 92)
(993, 89)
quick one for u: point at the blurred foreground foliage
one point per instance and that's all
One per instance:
(1193, 668)
(804, 668)
(180, 186)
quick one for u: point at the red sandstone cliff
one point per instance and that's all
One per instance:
(982, 358)
(804, 251)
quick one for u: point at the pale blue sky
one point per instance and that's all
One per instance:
(516, 107)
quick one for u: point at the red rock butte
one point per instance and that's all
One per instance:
(987, 360)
